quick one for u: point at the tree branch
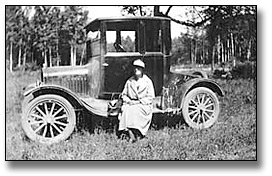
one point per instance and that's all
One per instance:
(186, 23)
(198, 13)
(141, 11)
(168, 10)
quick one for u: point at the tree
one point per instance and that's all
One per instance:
(13, 15)
(54, 28)
(10, 32)
(230, 31)
(42, 31)
(145, 11)
(41, 35)
(136, 10)
(128, 44)
(73, 22)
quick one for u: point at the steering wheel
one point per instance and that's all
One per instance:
(118, 47)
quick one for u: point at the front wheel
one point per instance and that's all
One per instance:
(200, 108)
(48, 119)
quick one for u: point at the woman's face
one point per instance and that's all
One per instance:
(138, 71)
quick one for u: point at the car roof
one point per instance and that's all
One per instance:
(95, 23)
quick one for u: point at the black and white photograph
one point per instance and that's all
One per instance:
(131, 82)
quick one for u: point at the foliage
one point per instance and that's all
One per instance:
(215, 34)
(233, 137)
(189, 49)
(232, 30)
(136, 11)
(128, 44)
(17, 32)
(245, 70)
(42, 35)
(242, 70)
(73, 20)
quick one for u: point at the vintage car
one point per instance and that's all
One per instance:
(52, 107)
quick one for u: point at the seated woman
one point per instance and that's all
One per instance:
(138, 95)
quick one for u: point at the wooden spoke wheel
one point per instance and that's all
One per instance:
(200, 108)
(48, 119)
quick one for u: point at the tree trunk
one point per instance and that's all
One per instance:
(82, 55)
(24, 59)
(195, 52)
(50, 57)
(191, 52)
(19, 56)
(223, 52)
(203, 52)
(240, 52)
(141, 11)
(213, 56)
(228, 50)
(206, 56)
(71, 55)
(232, 45)
(218, 49)
(32, 55)
(58, 58)
(75, 53)
(45, 59)
(10, 58)
(249, 50)
(156, 10)
(233, 50)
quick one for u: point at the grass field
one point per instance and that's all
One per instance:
(233, 137)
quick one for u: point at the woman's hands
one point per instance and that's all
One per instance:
(129, 101)
(133, 102)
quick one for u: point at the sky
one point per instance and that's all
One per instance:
(178, 12)
(114, 11)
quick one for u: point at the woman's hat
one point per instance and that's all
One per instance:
(139, 63)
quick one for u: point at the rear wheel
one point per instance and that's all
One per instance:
(200, 108)
(48, 119)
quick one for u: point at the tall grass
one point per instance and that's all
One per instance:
(232, 137)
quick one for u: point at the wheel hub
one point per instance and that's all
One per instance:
(200, 109)
(49, 119)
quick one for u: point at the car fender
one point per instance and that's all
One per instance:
(38, 90)
(77, 103)
(186, 87)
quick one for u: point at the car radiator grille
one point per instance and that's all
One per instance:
(77, 84)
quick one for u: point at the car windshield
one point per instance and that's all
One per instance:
(121, 41)
(134, 36)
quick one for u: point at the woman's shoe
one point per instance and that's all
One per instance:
(132, 137)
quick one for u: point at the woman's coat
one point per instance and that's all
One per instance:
(137, 116)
